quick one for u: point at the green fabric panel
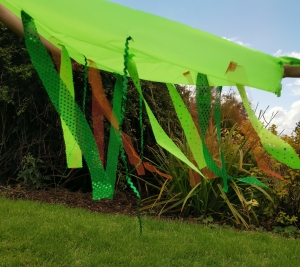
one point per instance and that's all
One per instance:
(217, 115)
(164, 49)
(114, 140)
(73, 152)
(102, 185)
(203, 97)
(160, 136)
(275, 146)
(188, 126)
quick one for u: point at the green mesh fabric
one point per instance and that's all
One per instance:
(203, 97)
(101, 183)
(274, 145)
(73, 152)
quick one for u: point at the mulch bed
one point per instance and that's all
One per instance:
(122, 203)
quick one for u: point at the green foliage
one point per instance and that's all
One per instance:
(286, 194)
(285, 219)
(287, 231)
(31, 172)
(205, 199)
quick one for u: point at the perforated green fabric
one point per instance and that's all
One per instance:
(188, 126)
(102, 185)
(73, 152)
(203, 97)
(275, 146)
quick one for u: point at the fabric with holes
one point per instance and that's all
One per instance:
(101, 183)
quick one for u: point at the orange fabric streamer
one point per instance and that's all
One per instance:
(151, 168)
(100, 97)
(98, 119)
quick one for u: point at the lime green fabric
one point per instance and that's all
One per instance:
(73, 152)
(56, 89)
(290, 61)
(160, 136)
(191, 133)
(275, 146)
(163, 49)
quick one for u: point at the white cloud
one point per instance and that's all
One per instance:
(297, 82)
(285, 119)
(235, 40)
(294, 88)
(295, 92)
(280, 53)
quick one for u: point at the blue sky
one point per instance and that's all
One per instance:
(267, 25)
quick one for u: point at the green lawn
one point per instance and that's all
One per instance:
(33, 234)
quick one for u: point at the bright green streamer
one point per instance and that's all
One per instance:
(85, 74)
(188, 126)
(73, 152)
(114, 140)
(102, 185)
(141, 134)
(203, 97)
(275, 146)
(160, 136)
(217, 115)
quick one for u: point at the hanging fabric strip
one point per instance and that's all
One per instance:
(97, 110)
(188, 126)
(253, 142)
(132, 155)
(102, 101)
(203, 97)
(85, 71)
(160, 136)
(80, 130)
(114, 140)
(275, 146)
(217, 116)
(73, 152)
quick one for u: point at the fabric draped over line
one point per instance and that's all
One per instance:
(164, 49)
(163, 59)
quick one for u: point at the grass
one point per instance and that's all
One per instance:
(34, 234)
